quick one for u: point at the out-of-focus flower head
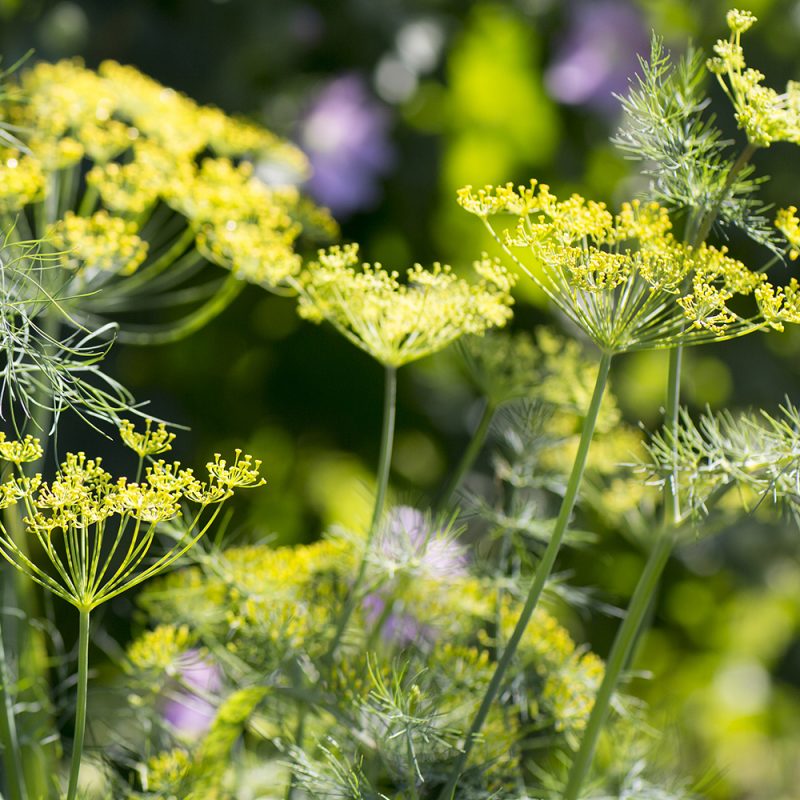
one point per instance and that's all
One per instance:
(190, 713)
(410, 547)
(597, 54)
(397, 627)
(346, 137)
(410, 542)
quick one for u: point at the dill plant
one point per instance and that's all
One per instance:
(387, 662)
(116, 194)
(98, 533)
(628, 283)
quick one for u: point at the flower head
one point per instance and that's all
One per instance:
(98, 532)
(624, 279)
(408, 542)
(787, 223)
(401, 322)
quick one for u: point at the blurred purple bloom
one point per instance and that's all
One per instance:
(597, 54)
(409, 544)
(345, 135)
(408, 541)
(188, 713)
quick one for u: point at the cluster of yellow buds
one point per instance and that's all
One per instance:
(22, 180)
(98, 243)
(401, 322)
(624, 279)
(143, 143)
(787, 223)
(97, 532)
(765, 115)
(154, 440)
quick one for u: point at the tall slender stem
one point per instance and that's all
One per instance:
(80, 712)
(12, 758)
(384, 463)
(470, 454)
(540, 578)
(618, 658)
(628, 631)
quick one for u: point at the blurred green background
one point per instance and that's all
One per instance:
(398, 104)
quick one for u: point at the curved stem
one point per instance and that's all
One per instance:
(628, 632)
(617, 660)
(470, 454)
(191, 323)
(713, 212)
(80, 711)
(384, 463)
(540, 578)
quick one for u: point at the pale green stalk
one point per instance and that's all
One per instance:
(384, 463)
(230, 290)
(80, 710)
(12, 760)
(540, 578)
(628, 631)
(698, 229)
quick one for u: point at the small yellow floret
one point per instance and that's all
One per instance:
(153, 441)
(20, 451)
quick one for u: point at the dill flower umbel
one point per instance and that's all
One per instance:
(98, 532)
(395, 322)
(128, 176)
(624, 279)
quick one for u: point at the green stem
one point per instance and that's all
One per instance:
(617, 660)
(166, 259)
(628, 632)
(80, 712)
(88, 201)
(713, 212)
(470, 454)
(540, 578)
(384, 463)
(12, 757)
(191, 323)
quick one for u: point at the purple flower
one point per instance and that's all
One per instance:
(597, 54)
(408, 546)
(190, 713)
(345, 135)
(408, 542)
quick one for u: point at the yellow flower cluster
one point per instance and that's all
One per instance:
(401, 322)
(765, 115)
(167, 770)
(131, 188)
(787, 223)
(260, 595)
(153, 441)
(159, 649)
(21, 179)
(97, 532)
(571, 676)
(144, 143)
(20, 451)
(624, 279)
(241, 222)
(100, 243)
